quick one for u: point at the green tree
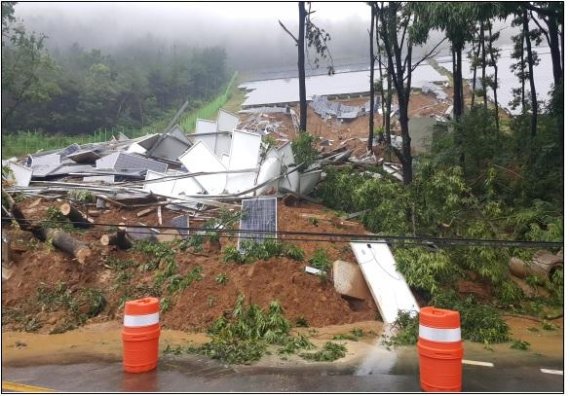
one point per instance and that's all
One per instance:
(24, 63)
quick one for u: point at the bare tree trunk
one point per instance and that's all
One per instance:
(495, 77)
(534, 104)
(371, 116)
(474, 80)
(301, 67)
(484, 65)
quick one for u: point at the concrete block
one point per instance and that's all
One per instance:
(348, 280)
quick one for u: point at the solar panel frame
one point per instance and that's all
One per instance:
(259, 220)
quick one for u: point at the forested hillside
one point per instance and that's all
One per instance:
(79, 91)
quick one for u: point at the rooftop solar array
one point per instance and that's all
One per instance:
(259, 219)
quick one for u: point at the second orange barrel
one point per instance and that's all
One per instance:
(141, 331)
(440, 350)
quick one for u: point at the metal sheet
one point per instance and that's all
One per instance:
(22, 174)
(244, 153)
(123, 161)
(308, 181)
(199, 158)
(227, 121)
(388, 286)
(164, 187)
(109, 179)
(238, 182)
(204, 126)
(259, 219)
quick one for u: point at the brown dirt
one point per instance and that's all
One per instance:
(301, 294)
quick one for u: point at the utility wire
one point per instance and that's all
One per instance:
(335, 237)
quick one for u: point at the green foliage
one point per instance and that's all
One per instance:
(520, 345)
(252, 251)
(479, 323)
(244, 337)
(55, 219)
(177, 283)
(82, 196)
(424, 269)
(321, 260)
(329, 353)
(222, 278)
(80, 304)
(301, 322)
(304, 151)
(354, 335)
(406, 326)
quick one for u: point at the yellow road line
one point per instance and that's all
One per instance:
(16, 387)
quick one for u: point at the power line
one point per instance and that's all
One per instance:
(339, 237)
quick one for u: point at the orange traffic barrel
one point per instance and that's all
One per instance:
(440, 350)
(140, 334)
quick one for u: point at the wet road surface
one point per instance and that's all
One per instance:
(384, 371)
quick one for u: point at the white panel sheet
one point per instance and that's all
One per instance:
(388, 286)
(199, 158)
(227, 121)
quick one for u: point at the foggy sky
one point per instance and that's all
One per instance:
(249, 32)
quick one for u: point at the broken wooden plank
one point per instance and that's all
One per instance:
(144, 212)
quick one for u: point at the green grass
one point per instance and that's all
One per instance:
(209, 110)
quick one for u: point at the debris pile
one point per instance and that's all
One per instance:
(327, 109)
(217, 163)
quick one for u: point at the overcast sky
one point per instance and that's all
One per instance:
(172, 11)
(249, 32)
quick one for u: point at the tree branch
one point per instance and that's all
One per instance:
(289, 33)
(428, 55)
(541, 29)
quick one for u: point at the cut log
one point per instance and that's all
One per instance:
(77, 218)
(543, 264)
(94, 213)
(119, 239)
(58, 238)
(65, 242)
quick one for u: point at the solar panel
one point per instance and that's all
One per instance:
(258, 220)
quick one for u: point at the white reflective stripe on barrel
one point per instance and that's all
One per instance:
(140, 320)
(440, 335)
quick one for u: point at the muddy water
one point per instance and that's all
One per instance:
(102, 341)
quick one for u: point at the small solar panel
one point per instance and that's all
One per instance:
(182, 223)
(258, 220)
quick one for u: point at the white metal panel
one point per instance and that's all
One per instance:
(238, 182)
(22, 174)
(199, 158)
(270, 168)
(286, 154)
(164, 187)
(227, 121)
(290, 182)
(187, 185)
(308, 181)
(388, 286)
(204, 126)
(136, 148)
(244, 153)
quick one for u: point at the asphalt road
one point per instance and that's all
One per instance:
(197, 374)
